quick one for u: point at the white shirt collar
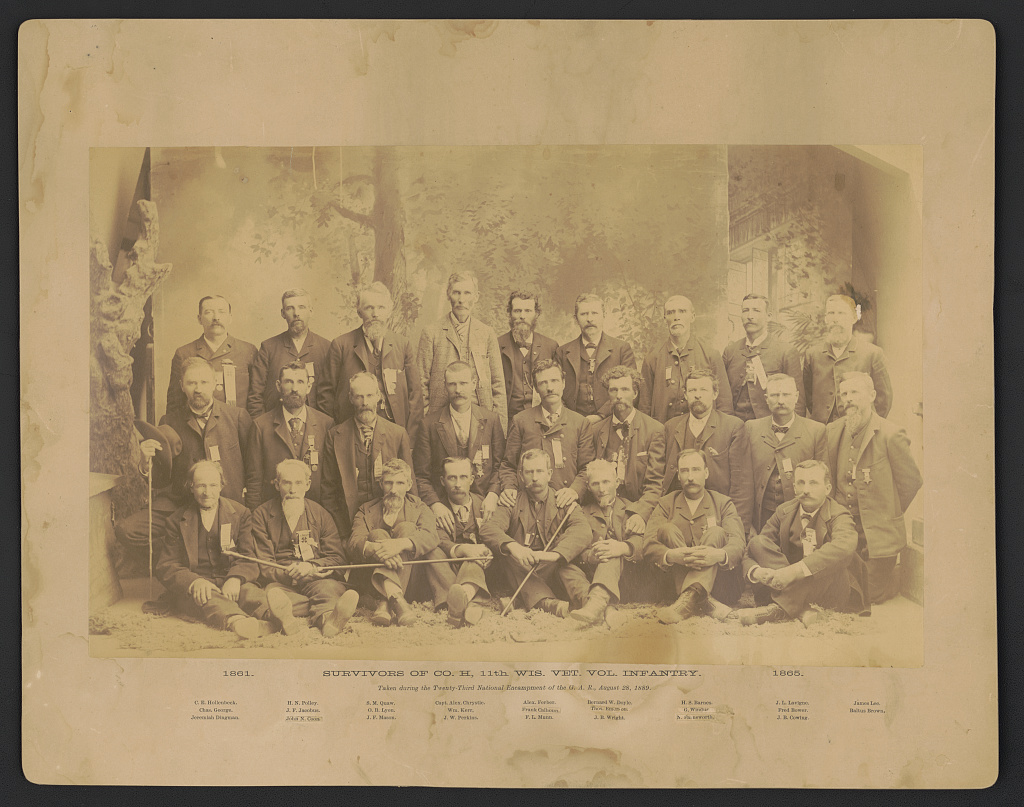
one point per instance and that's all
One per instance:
(810, 516)
(298, 343)
(463, 418)
(208, 517)
(759, 339)
(629, 420)
(301, 414)
(697, 426)
(789, 425)
(215, 347)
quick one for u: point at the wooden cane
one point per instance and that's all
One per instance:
(349, 566)
(149, 480)
(551, 540)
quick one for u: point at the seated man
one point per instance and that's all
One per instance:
(202, 581)
(592, 581)
(466, 587)
(697, 536)
(396, 526)
(299, 533)
(522, 535)
(804, 554)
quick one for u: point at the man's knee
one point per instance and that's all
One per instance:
(671, 536)
(405, 529)
(715, 537)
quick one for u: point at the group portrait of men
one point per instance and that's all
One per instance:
(474, 472)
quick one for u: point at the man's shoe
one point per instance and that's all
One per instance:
(594, 608)
(474, 613)
(247, 627)
(458, 601)
(809, 616)
(382, 616)
(403, 613)
(689, 602)
(717, 610)
(614, 618)
(555, 607)
(762, 614)
(335, 621)
(281, 609)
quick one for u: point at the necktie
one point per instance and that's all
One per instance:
(296, 427)
(460, 432)
(780, 429)
(552, 419)
(462, 514)
(590, 348)
(807, 540)
(622, 458)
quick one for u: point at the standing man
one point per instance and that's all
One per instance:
(721, 437)
(388, 357)
(875, 478)
(521, 348)
(842, 353)
(517, 535)
(563, 434)
(395, 527)
(209, 430)
(230, 357)
(586, 358)
(462, 429)
(751, 361)
(665, 369)
(356, 451)
(297, 344)
(696, 536)
(778, 444)
(634, 443)
(291, 431)
(462, 336)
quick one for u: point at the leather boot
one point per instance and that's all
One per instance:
(763, 614)
(382, 616)
(716, 610)
(403, 613)
(594, 608)
(689, 602)
(458, 601)
(342, 613)
(559, 608)
(281, 609)
(249, 627)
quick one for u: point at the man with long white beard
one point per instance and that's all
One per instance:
(395, 527)
(521, 348)
(875, 478)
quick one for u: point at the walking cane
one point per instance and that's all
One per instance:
(276, 565)
(149, 513)
(534, 568)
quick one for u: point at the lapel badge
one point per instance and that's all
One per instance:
(867, 475)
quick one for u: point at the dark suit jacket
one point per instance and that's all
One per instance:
(227, 429)
(673, 509)
(527, 431)
(805, 440)
(178, 552)
(274, 354)
(823, 373)
(339, 491)
(235, 351)
(437, 440)
(613, 529)
(511, 523)
(645, 468)
(470, 535)
(834, 533)
(272, 540)
(724, 442)
(370, 517)
(610, 353)
(543, 348)
(270, 442)
(893, 481)
(655, 392)
(777, 357)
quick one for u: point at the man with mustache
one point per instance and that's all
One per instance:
(209, 430)
(291, 431)
(375, 349)
(356, 452)
(842, 352)
(521, 348)
(586, 358)
(696, 537)
(804, 554)
(461, 336)
(751, 361)
(297, 344)
(231, 358)
(395, 527)
(875, 478)
(463, 429)
(666, 368)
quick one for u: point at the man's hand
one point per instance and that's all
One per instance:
(763, 576)
(679, 556)
(592, 419)
(508, 497)
(301, 570)
(389, 552)
(231, 588)
(565, 496)
(704, 557)
(201, 590)
(490, 505)
(445, 518)
(785, 577)
(473, 551)
(149, 448)
(526, 558)
(609, 549)
(635, 525)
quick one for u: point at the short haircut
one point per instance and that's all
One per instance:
(622, 371)
(397, 467)
(295, 293)
(363, 376)
(587, 297)
(752, 296)
(462, 277)
(213, 297)
(198, 466)
(863, 378)
(451, 461)
(518, 294)
(686, 452)
(284, 465)
(457, 365)
(599, 466)
(848, 300)
(703, 372)
(808, 465)
(192, 362)
(782, 378)
(293, 365)
(547, 364)
(374, 288)
(532, 454)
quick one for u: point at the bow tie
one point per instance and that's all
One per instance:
(780, 429)
(622, 429)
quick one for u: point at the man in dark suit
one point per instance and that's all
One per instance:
(804, 553)
(291, 431)
(565, 436)
(518, 535)
(463, 429)
(387, 530)
(721, 437)
(297, 344)
(356, 451)
(209, 430)
(230, 357)
(843, 352)
(587, 357)
(204, 583)
(521, 348)
(777, 444)
(875, 478)
(635, 443)
(751, 361)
